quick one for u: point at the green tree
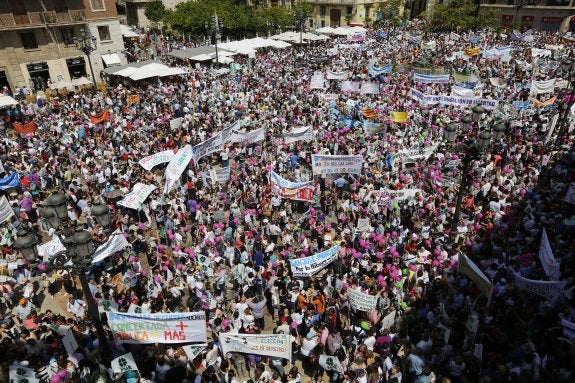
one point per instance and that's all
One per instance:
(460, 15)
(390, 13)
(155, 11)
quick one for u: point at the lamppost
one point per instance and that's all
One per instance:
(78, 254)
(214, 27)
(470, 150)
(300, 23)
(87, 44)
(568, 73)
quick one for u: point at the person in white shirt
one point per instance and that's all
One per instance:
(76, 307)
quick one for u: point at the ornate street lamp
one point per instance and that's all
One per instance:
(466, 123)
(102, 215)
(87, 44)
(450, 132)
(25, 243)
(477, 113)
(499, 129)
(213, 28)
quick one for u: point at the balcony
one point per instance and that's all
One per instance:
(333, 2)
(33, 19)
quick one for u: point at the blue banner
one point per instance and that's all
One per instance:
(12, 181)
(375, 71)
(429, 78)
(308, 266)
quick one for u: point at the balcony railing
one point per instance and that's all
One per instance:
(335, 2)
(8, 20)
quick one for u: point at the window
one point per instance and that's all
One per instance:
(68, 36)
(97, 5)
(349, 11)
(104, 32)
(29, 40)
(322, 10)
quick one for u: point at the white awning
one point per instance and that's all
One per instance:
(111, 59)
(127, 32)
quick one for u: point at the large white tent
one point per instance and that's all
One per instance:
(249, 46)
(325, 30)
(344, 31)
(149, 70)
(6, 100)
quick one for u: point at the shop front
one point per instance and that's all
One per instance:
(76, 67)
(39, 75)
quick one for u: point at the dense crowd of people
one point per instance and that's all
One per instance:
(430, 323)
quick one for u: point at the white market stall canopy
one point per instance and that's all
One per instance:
(128, 32)
(344, 31)
(204, 53)
(326, 30)
(249, 46)
(111, 59)
(154, 69)
(61, 84)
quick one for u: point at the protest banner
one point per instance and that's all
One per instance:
(456, 101)
(551, 128)
(298, 134)
(48, 249)
(274, 345)
(385, 196)
(11, 181)
(193, 350)
(371, 128)
(570, 195)
(375, 71)
(308, 266)
(176, 167)
(135, 309)
(363, 225)
(100, 117)
(107, 305)
(398, 116)
(497, 52)
(124, 363)
(548, 261)
(209, 146)
(133, 99)
(70, 343)
(6, 211)
(115, 243)
(327, 164)
(155, 159)
(549, 290)
(546, 103)
(26, 128)
(175, 123)
(135, 199)
(472, 51)
(317, 81)
(228, 131)
(537, 52)
(158, 328)
(350, 86)
(361, 301)
(430, 78)
(415, 154)
(19, 374)
(469, 268)
(299, 191)
(332, 75)
(460, 91)
(356, 37)
(543, 86)
(248, 138)
(219, 175)
(369, 88)
(330, 363)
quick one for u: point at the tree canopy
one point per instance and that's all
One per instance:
(155, 11)
(460, 15)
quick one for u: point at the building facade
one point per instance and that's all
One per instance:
(37, 40)
(543, 15)
(336, 13)
(135, 11)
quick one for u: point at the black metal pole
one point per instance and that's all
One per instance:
(462, 188)
(565, 117)
(95, 315)
(92, 70)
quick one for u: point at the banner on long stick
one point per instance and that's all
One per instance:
(274, 345)
(177, 166)
(326, 164)
(308, 266)
(361, 301)
(149, 162)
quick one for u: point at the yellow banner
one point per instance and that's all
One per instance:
(398, 116)
(472, 51)
(133, 99)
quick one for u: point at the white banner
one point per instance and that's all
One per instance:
(177, 166)
(369, 88)
(18, 374)
(363, 225)
(136, 198)
(388, 320)
(360, 301)
(469, 268)
(193, 350)
(308, 266)
(155, 159)
(299, 191)
(248, 138)
(356, 36)
(221, 175)
(429, 78)
(387, 195)
(209, 146)
(551, 127)
(322, 164)
(536, 52)
(6, 211)
(502, 53)
(570, 195)
(543, 86)
(449, 100)
(548, 261)
(124, 363)
(227, 132)
(298, 134)
(551, 291)
(460, 91)
(176, 122)
(48, 249)
(350, 86)
(158, 328)
(330, 363)
(331, 75)
(317, 81)
(135, 309)
(415, 154)
(274, 345)
(115, 243)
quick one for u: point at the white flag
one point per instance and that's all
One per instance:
(116, 243)
(177, 166)
(548, 261)
(124, 363)
(193, 350)
(6, 211)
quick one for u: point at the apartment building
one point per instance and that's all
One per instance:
(336, 13)
(37, 40)
(543, 15)
(135, 11)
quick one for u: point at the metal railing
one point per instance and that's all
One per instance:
(8, 20)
